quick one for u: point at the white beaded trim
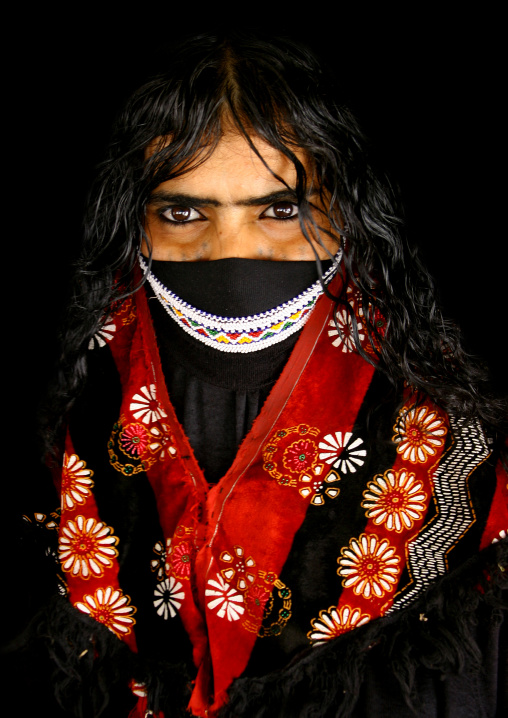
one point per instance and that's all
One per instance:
(241, 334)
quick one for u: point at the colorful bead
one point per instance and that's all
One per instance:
(241, 334)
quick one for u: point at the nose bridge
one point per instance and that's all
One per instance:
(234, 235)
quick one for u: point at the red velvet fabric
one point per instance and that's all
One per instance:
(226, 547)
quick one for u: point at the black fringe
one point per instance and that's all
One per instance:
(89, 668)
(60, 658)
(441, 634)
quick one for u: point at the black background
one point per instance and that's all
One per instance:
(426, 87)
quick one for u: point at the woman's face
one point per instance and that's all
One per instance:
(232, 206)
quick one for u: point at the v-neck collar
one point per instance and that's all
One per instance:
(269, 413)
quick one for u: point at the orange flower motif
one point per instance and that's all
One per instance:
(395, 499)
(419, 433)
(86, 547)
(76, 481)
(110, 607)
(369, 566)
(334, 622)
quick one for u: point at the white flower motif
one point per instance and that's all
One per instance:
(86, 547)
(317, 485)
(61, 588)
(369, 566)
(227, 601)
(145, 405)
(354, 298)
(104, 335)
(334, 622)
(111, 608)
(168, 597)
(396, 499)
(338, 449)
(419, 433)
(139, 689)
(162, 441)
(501, 535)
(344, 334)
(76, 481)
(237, 564)
(157, 564)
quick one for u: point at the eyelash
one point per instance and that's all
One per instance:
(201, 218)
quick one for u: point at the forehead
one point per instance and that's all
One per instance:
(234, 169)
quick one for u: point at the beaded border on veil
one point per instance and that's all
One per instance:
(241, 334)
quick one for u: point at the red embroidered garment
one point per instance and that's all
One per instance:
(326, 520)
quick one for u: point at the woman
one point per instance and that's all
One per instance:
(280, 481)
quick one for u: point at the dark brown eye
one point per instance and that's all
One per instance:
(282, 210)
(180, 214)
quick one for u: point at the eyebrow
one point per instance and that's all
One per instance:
(188, 200)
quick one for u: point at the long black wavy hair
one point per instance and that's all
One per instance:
(277, 90)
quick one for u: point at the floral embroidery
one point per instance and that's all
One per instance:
(126, 308)
(139, 689)
(238, 566)
(40, 520)
(354, 298)
(104, 335)
(61, 586)
(162, 441)
(86, 547)
(300, 455)
(275, 627)
(369, 566)
(110, 607)
(342, 451)
(294, 453)
(179, 559)
(268, 603)
(334, 622)
(318, 486)
(419, 433)
(227, 602)
(395, 498)
(502, 535)
(133, 440)
(343, 333)
(145, 406)
(76, 481)
(168, 597)
(256, 599)
(157, 564)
